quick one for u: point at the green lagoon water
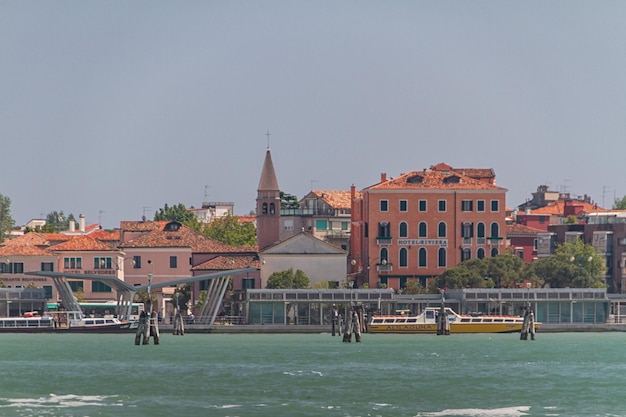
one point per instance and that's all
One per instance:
(567, 374)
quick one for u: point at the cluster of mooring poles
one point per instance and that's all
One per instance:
(148, 322)
(528, 326)
(179, 327)
(148, 327)
(443, 324)
(354, 324)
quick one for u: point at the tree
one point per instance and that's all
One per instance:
(505, 270)
(182, 295)
(178, 213)
(500, 271)
(574, 264)
(230, 231)
(57, 221)
(6, 221)
(288, 201)
(287, 279)
(620, 204)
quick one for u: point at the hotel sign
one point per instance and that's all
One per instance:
(424, 242)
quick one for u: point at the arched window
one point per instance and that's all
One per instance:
(403, 257)
(264, 209)
(384, 255)
(422, 230)
(465, 254)
(495, 230)
(480, 230)
(441, 256)
(403, 232)
(421, 258)
(384, 229)
(441, 229)
(494, 252)
(272, 208)
(480, 253)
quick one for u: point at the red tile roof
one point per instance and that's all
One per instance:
(337, 199)
(82, 243)
(521, 230)
(141, 226)
(105, 236)
(433, 179)
(24, 249)
(225, 263)
(183, 237)
(32, 238)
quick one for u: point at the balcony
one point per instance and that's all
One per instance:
(384, 240)
(495, 240)
(384, 267)
(338, 234)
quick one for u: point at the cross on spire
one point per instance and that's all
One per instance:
(268, 138)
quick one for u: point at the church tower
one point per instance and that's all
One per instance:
(267, 206)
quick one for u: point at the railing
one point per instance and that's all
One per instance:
(311, 212)
(338, 233)
(384, 240)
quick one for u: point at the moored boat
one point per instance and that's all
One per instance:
(426, 322)
(26, 324)
(66, 322)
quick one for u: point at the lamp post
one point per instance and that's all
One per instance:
(581, 262)
(383, 262)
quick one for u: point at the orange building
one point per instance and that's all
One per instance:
(421, 223)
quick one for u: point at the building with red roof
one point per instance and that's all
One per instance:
(417, 225)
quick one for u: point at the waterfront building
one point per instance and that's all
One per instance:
(606, 231)
(319, 260)
(417, 225)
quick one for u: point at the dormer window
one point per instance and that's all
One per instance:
(415, 179)
(452, 179)
(172, 227)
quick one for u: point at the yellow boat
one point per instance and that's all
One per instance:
(426, 322)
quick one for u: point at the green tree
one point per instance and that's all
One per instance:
(182, 295)
(288, 201)
(288, 279)
(620, 204)
(500, 271)
(178, 213)
(574, 264)
(6, 221)
(230, 231)
(57, 221)
(504, 270)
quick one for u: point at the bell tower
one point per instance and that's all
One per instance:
(267, 206)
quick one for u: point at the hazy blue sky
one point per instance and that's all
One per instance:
(110, 107)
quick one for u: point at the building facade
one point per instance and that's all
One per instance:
(419, 224)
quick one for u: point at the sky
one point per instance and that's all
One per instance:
(113, 109)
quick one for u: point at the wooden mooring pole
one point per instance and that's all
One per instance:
(443, 324)
(352, 325)
(179, 327)
(148, 327)
(528, 326)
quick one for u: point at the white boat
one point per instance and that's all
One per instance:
(26, 324)
(426, 322)
(70, 321)
(77, 322)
